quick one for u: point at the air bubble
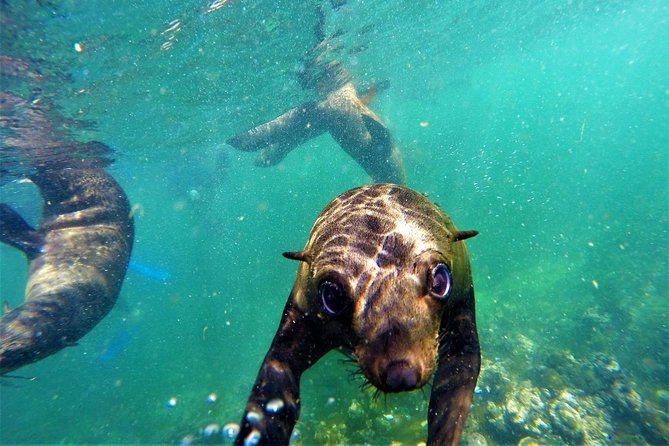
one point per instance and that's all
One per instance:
(275, 405)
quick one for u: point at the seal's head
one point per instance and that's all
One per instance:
(380, 268)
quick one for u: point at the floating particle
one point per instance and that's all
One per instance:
(424, 124)
(330, 401)
(595, 284)
(275, 405)
(194, 195)
(78, 47)
(590, 244)
(211, 398)
(171, 402)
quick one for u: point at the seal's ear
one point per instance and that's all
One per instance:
(300, 256)
(463, 235)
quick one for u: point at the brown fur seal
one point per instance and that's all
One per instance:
(384, 278)
(338, 110)
(352, 124)
(78, 258)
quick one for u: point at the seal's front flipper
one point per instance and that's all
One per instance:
(16, 232)
(280, 135)
(272, 154)
(379, 133)
(457, 371)
(274, 404)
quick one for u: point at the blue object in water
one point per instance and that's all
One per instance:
(117, 344)
(148, 271)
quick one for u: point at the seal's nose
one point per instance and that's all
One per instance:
(400, 376)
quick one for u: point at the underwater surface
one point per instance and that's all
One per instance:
(544, 125)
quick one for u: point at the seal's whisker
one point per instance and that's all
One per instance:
(368, 385)
(356, 373)
(348, 361)
(354, 370)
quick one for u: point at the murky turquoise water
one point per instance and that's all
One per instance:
(544, 125)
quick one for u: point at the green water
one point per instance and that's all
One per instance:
(543, 125)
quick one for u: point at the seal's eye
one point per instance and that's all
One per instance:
(441, 281)
(332, 297)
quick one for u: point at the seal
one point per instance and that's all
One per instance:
(384, 278)
(350, 122)
(338, 110)
(78, 258)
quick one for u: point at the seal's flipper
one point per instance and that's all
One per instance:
(382, 159)
(363, 135)
(457, 371)
(16, 232)
(378, 131)
(284, 132)
(274, 404)
(272, 154)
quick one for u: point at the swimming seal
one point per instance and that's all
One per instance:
(338, 110)
(384, 278)
(350, 122)
(78, 258)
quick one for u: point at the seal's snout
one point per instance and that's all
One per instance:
(397, 357)
(399, 376)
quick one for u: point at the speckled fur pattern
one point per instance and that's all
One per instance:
(78, 259)
(380, 243)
